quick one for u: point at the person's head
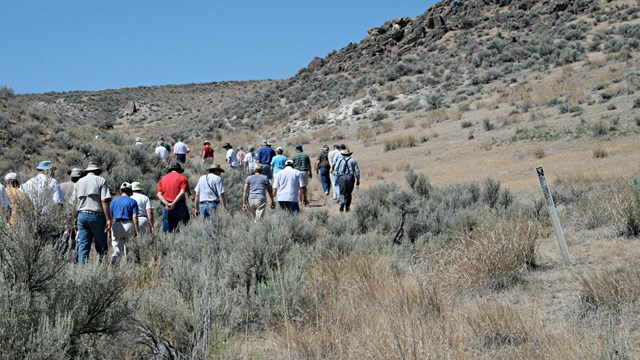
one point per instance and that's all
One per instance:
(250, 149)
(215, 169)
(138, 139)
(258, 169)
(240, 147)
(177, 167)
(336, 146)
(279, 150)
(75, 174)
(136, 187)
(126, 189)
(289, 163)
(346, 152)
(93, 168)
(227, 146)
(325, 148)
(207, 143)
(265, 143)
(342, 147)
(46, 167)
(12, 180)
(159, 143)
(298, 147)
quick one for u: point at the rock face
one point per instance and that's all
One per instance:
(130, 108)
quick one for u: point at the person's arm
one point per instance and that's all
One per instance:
(106, 207)
(356, 170)
(223, 199)
(202, 154)
(197, 203)
(245, 197)
(136, 225)
(318, 166)
(151, 220)
(270, 193)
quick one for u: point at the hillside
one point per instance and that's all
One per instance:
(544, 76)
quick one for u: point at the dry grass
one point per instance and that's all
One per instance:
(599, 152)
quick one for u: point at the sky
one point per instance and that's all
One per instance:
(92, 45)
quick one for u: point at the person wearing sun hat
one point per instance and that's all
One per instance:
(67, 187)
(172, 192)
(264, 156)
(146, 222)
(278, 162)
(348, 175)
(210, 192)
(231, 157)
(92, 214)
(43, 187)
(206, 154)
(13, 199)
(124, 211)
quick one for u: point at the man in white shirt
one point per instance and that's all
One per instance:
(232, 158)
(287, 186)
(43, 189)
(210, 192)
(161, 151)
(180, 149)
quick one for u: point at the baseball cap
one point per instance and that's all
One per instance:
(125, 186)
(11, 176)
(288, 163)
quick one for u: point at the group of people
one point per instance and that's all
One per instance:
(96, 215)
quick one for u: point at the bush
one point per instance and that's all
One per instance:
(487, 124)
(610, 289)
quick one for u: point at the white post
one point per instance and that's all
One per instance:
(554, 216)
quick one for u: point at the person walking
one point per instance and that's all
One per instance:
(146, 221)
(210, 192)
(278, 161)
(43, 189)
(254, 194)
(124, 211)
(336, 157)
(161, 151)
(207, 154)
(323, 168)
(240, 154)
(67, 187)
(250, 160)
(92, 212)
(287, 186)
(348, 174)
(231, 157)
(332, 176)
(180, 149)
(14, 201)
(302, 163)
(265, 154)
(172, 192)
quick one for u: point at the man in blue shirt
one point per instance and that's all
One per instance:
(277, 163)
(265, 155)
(124, 211)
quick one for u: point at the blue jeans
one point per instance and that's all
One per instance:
(336, 186)
(325, 179)
(266, 171)
(207, 209)
(171, 218)
(90, 229)
(289, 206)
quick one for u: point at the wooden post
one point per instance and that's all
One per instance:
(554, 216)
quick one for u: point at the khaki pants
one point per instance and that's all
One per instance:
(256, 207)
(121, 232)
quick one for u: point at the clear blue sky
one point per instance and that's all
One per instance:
(94, 45)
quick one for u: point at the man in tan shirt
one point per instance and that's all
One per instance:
(93, 216)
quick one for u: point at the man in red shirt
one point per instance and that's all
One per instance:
(172, 192)
(207, 154)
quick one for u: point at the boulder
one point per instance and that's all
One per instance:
(130, 108)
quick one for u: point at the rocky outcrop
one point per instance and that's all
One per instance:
(130, 108)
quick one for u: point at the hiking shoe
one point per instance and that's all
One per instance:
(326, 193)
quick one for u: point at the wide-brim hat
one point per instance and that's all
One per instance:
(226, 145)
(216, 167)
(265, 142)
(45, 165)
(11, 176)
(92, 167)
(346, 152)
(207, 142)
(176, 166)
(75, 173)
(136, 186)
